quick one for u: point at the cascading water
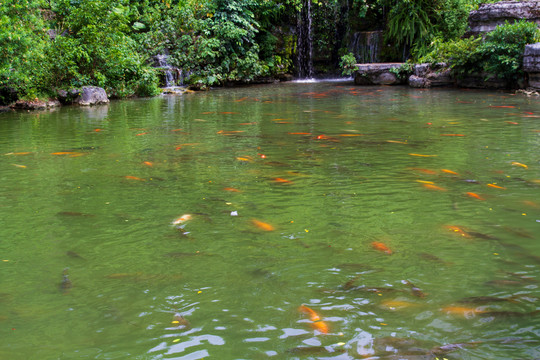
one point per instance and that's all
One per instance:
(366, 46)
(305, 42)
(161, 62)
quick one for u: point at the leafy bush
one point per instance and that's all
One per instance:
(499, 53)
(347, 64)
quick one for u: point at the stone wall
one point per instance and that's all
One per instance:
(488, 16)
(531, 64)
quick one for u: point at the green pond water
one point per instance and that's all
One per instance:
(290, 194)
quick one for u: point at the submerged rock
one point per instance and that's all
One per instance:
(35, 104)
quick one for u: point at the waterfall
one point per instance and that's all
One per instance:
(172, 76)
(304, 47)
(366, 46)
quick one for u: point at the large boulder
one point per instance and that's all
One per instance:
(488, 16)
(85, 96)
(531, 64)
(431, 75)
(377, 74)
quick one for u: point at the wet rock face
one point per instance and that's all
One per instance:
(431, 75)
(531, 64)
(377, 74)
(488, 16)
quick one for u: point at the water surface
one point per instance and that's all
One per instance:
(379, 208)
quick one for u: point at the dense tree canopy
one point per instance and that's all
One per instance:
(48, 45)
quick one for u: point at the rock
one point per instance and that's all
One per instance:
(284, 77)
(430, 75)
(87, 95)
(488, 16)
(482, 81)
(35, 104)
(418, 82)
(531, 64)
(91, 95)
(376, 74)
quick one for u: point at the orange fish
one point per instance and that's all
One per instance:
(512, 122)
(282, 181)
(65, 153)
(425, 171)
(245, 158)
(434, 187)
(299, 133)
(134, 178)
(19, 166)
(248, 123)
(452, 135)
(449, 171)
(231, 189)
(503, 106)
(397, 304)
(176, 130)
(98, 130)
(230, 132)
(422, 155)
(519, 164)
(19, 153)
(208, 112)
(496, 186)
(351, 135)
(144, 133)
(381, 247)
(475, 195)
(148, 163)
(317, 324)
(262, 225)
(182, 219)
(241, 99)
(458, 230)
(397, 142)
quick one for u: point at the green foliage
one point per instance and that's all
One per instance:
(403, 71)
(347, 64)
(500, 53)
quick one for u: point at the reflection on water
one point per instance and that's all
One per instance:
(315, 220)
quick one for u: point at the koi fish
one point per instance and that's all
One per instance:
(449, 172)
(20, 166)
(262, 225)
(496, 186)
(349, 135)
(148, 163)
(512, 122)
(282, 181)
(452, 135)
(223, 132)
(425, 182)
(231, 189)
(519, 164)
(415, 290)
(317, 323)
(397, 142)
(379, 246)
(425, 171)
(179, 320)
(503, 106)
(246, 158)
(458, 230)
(176, 130)
(422, 155)
(434, 187)
(65, 153)
(182, 219)
(475, 195)
(134, 178)
(144, 133)
(466, 312)
(397, 304)
(299, 133)
(19, 153)
(241, 99)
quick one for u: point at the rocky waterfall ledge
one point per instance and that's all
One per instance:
(531, 64)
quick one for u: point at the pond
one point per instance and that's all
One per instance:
(290, 221)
